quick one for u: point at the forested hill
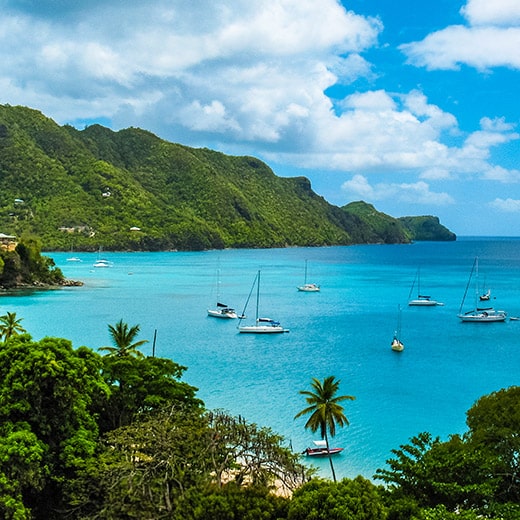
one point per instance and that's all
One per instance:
(132, 190)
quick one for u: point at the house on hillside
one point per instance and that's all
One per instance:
(8, 242)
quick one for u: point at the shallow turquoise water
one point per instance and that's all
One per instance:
(345, 331)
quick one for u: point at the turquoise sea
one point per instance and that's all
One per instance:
(345, 331)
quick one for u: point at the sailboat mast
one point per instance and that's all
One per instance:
(475, 263)
(257, 294)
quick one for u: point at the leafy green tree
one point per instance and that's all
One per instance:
(439, 473)
(494, 427)
(140, 385)
(21, 467)
(325, 410)
(233, 502)
(10, 325)
(48, 431)
(148, 467)
(357, 499)
(181, 463)
(249, 454)
(123, 338)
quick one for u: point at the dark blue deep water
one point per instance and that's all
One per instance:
(345, 331)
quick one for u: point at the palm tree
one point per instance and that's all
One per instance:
(10, 325)
(325, 410)
(123, 338)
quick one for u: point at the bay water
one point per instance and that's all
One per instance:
(345, 331)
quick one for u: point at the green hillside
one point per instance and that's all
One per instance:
(379, 227)
(427, 228)
(130, 190)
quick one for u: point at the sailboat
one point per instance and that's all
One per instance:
(73, 258)
(397, 345)
(222, 310)
(261, 325)
(485, 295)
(479, 314)
(421, 300)
(101, 262)
(308, 287)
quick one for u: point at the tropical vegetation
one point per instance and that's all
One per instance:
(85, 436)
(325, 410)
(131, 190)
(25, 266)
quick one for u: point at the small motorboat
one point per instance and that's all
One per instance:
(320, 450)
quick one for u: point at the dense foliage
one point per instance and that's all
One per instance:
(375, 227)
(25, 266)
(87, 436)
(131, 190)
(426, 228)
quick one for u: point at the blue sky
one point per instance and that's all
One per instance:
(411, 106)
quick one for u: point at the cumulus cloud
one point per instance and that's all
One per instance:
(414, 193)
(245, 76)
(498, 12)
(506, 205)
(491, 39)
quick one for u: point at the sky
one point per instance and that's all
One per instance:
(412, 106)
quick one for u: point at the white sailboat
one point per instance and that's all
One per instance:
(73, 258)
(261, 325)
(101, 262)
(222, 310)
(308, 287)
(421, 300)
(479, 314)
(397, 345)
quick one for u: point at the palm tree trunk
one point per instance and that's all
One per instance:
(330, 457)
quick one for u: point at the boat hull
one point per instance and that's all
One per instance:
(322, 452)
(397, 346)
(309, 287)
(423, 303)
(483, 317)
(222, 314)
(262, 329)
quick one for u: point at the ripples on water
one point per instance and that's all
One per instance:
(345, 331)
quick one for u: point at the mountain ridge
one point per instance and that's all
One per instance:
(131, 190)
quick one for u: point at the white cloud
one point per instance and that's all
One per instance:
(480, 47)
(503, 175)
(250, 76)
(411, 193)
(492, 39)
(506, 205)
(496, 12)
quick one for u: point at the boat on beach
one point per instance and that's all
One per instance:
(479, 314)
(261, 325)
(320, 450)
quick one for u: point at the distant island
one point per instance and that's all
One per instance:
(132, 191)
